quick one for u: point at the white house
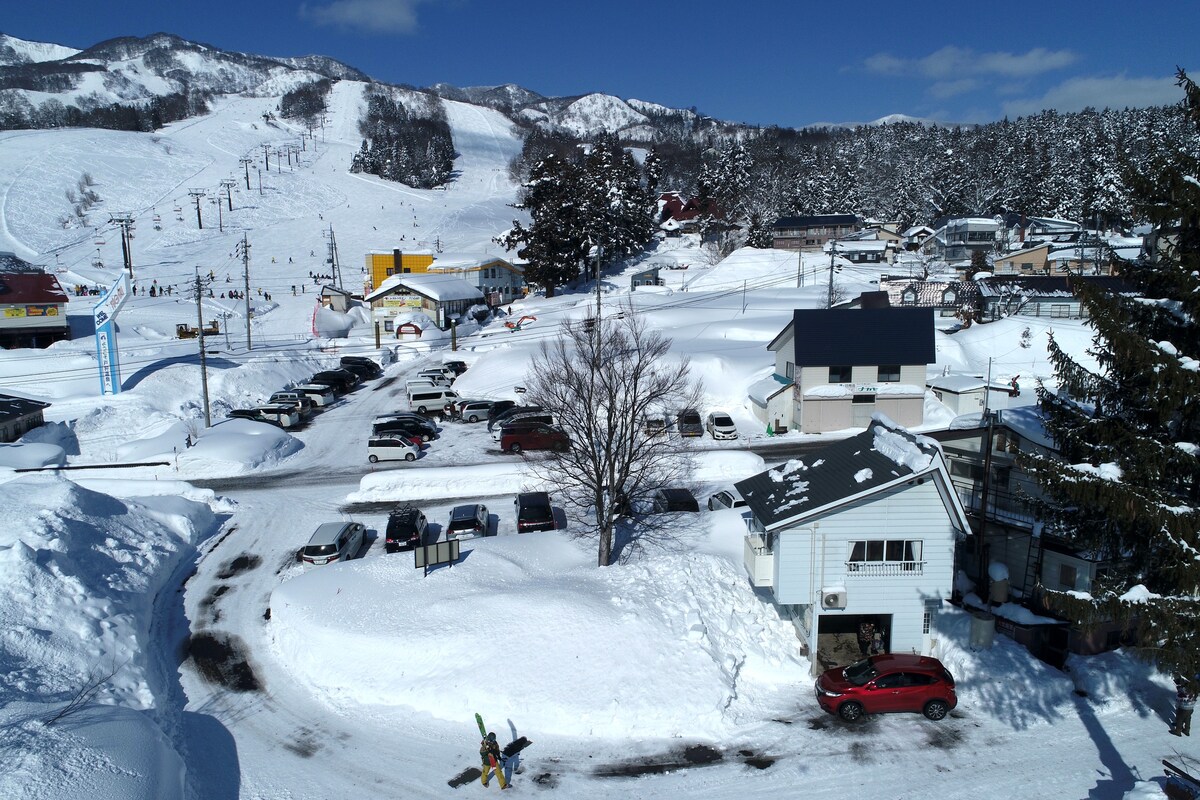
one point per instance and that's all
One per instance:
(442, 297)
(844, 365)
(861, 530)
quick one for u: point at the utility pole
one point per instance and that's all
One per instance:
(196, 195)
(799, 268)
(203, 357)
(985, 482)
(335, 267)
(597, 288)
(246, 162)
(125, 221)
(832, 252)
(227, 184)
(243, 249)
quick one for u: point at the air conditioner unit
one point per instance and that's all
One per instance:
(833, 598)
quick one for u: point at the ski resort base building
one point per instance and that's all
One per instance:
(863, 530)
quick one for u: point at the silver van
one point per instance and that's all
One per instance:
(334, 541)
(430, 398)
(320, 394)
(284, 416)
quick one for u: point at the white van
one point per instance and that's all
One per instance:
(437, 375)
(430, 398)
(281, 415)
(320, 394)
(420, 383)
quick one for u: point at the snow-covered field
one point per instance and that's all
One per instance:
(361, 679)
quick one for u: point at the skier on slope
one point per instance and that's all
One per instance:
(489, 753)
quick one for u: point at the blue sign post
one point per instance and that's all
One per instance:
(104, 314)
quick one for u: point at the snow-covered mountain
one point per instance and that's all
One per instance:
(21, 51)
(135, 69)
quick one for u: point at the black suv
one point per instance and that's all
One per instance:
(408, 427)
(406, 528)
(534, 512)
(667, 500)
(361, 366)
(342, 380)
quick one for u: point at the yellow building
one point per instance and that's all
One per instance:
(382, 263)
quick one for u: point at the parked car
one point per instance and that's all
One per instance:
(246, 413)
(392, 448)
(364, 372)
(439, 375)
(514, 439)
(369, 365)
(511, 413)
(407, 427)
(885, 683)
(334, 541)
(285, 416)
(498, 408)
(534, 512)
(416, 384)
(653, 424)
(431, 398)
(457, 367)
(720, 426)
(406, 529)
(299, 399)
(473, 410)
(320, 394)
(688, 423)
(423, 422)
(726, 498)
(467, 521)
(341, 380)
(667, 500)
(531, 420)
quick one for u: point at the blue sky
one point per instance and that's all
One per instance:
(768, 62)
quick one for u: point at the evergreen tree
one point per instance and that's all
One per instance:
(551, 241)
(1128, 485)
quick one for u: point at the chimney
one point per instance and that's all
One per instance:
(397, 262)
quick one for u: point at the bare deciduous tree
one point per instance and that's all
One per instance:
(602, 382)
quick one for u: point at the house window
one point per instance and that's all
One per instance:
(965, 469)
(789, 370)
(949, 296)
(909, 297)
(863, 399)
(839, 374)
(1027, 266)
(889, 373)
(885, 557)
(389, 325)
(1067, 575)
(390, 271)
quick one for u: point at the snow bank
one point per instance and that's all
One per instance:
(236, 446)
(81, 571)
(526, 627)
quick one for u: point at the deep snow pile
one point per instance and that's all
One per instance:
(669, 645)
(81, 571)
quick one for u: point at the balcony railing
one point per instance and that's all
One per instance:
(884, 568)
(760, 561)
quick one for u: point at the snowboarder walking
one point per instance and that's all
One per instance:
(489, 753)
(1185, 703)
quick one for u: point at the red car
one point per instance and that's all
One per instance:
(885, 683)
(539, 436)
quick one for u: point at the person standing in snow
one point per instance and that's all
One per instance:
(489, 751)
(1185, 703)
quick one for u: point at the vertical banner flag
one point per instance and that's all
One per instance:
(104, 315)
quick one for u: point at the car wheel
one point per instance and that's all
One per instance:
(936, 709)
(420, 409)
(514, 447)
(850, 711)
(410, 456)
(472, 418)
(426, 438)
(374, 459)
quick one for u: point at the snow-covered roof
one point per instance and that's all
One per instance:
(440, 288)
(762, 391)
(881, 456)
(958, 383)
(461, 262)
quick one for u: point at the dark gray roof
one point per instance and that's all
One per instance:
(1051, 285)
(17, 407)
(877, 457)
(816, 219)
(862, 337)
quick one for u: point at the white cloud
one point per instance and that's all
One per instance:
(371, 16)
(944, 89)
(953, 63)
(1116, 92)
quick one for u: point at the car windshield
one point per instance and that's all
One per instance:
(861, 673)
(534, 512)
(689, 419)
(721, 419)
(320, 550)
